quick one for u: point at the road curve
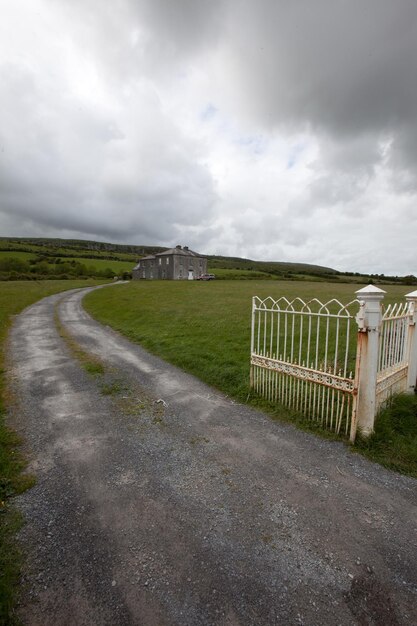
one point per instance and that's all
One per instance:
(161, 501)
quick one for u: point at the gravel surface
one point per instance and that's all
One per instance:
(161, 501)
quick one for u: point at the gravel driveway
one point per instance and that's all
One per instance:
(161, 501)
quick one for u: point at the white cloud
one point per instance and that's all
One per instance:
(272, 130)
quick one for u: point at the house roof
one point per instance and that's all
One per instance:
(177, 250)
(180, 251)
(144, 258)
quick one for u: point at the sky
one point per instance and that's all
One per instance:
(266, 129)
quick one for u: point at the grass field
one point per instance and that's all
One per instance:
(102, 264)
(233, 274)
(24, 256)
(98, 264)
(14, 297)
(204, 328)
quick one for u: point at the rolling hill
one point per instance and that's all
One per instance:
(31, 258)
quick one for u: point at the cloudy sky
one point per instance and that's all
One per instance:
(269, 129)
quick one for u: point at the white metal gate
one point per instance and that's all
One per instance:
(335, 363)
(303, 356)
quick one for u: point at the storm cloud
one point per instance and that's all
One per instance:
(270, 129)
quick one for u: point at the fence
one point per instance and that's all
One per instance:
(335, 363)
(393, 355)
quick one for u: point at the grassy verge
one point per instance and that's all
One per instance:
(14, 297)
(394, 442)
(204, 328)
(132, 401)
(91, 364)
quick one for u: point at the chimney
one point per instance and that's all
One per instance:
(178, 247)
(185, 248)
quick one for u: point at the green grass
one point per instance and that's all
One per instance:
(394, 442)
(94, 368)
(113, 388)
(236, 274)
(14, 297)
(23, 256)
(203, 327)
(184, 324)
(102, 264)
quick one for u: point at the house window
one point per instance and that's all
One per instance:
(160, 261)
(181, 259)
(167, 260)
(143, 274)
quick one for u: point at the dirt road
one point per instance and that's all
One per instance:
(160, 501)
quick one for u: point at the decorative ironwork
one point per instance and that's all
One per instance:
(393, 336)
(389, 379)
(396, 311)
(313, 356)
(327, 379)
(303, 355)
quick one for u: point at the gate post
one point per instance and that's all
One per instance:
(369, 321)
(412, 342)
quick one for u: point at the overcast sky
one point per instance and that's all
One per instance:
(269, 129)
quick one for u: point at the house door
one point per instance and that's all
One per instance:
(190, 274)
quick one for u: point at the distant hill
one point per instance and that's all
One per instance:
(98, 249)
(270, 267)
(33, 257)
(75, 247)
(103, 250)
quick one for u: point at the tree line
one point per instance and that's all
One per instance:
(41, 267)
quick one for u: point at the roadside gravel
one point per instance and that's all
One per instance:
(161, 501)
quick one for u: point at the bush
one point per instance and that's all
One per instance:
(14, 264)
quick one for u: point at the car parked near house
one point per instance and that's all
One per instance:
(206, 277)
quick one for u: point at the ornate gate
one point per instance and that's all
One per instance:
(335, 363)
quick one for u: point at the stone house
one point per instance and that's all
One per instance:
(179, 263)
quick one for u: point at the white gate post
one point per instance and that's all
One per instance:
(369, 321)
(412, 342)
